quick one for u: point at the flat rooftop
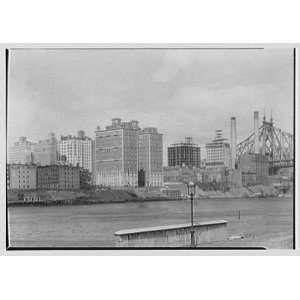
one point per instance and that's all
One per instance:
(167, 227)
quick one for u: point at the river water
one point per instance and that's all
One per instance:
(94, 225)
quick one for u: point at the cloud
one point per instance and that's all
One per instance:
(182, 92)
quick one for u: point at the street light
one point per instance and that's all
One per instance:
(191, 192)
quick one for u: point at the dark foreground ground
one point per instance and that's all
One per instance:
(261, 220)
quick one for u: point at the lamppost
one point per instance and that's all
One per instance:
(191, 192)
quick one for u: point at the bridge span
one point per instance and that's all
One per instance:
(276, 144)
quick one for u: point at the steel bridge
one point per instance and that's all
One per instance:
(276, 144)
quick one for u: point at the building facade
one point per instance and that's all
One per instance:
(248, 178)
(58, 177)
(254, 168)
(45, 152)
(21, 152)
(77, 150)
(85, 178)
(182, 174)
(172, 193)
(218, 152)
(116, 154)
(21, 176)
(184, 154)
(150, 157)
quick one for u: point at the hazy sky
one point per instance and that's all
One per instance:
(182, 92)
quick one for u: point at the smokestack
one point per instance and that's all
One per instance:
(256, 142)
(233, 141)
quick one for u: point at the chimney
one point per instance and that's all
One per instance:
(256, 141)
(233, 141)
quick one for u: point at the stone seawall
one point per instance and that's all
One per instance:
(172, 235)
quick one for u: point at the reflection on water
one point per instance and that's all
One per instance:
(94, 225)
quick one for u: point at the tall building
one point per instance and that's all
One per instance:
(184, 154)
(150, 157)
(21, 176)
(77, 150)
(58, 177)
(116, 154)
(45, 151)
(218, 152)
(21, 152)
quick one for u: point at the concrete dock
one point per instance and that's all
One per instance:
(178, 235)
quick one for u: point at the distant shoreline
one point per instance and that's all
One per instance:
(76, 202)
(70, 202)
(89, 197)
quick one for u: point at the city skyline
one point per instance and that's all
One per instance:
(80, 89)
(185, 147)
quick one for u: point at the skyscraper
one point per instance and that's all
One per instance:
(78, 150)
(21, 152)
(116, 154)
(150, 158)
(184, 154)
(218, 152)
(45, 151)
(58, 177)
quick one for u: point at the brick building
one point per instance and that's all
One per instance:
(58, 177)
(150, 157)
(116, 154)
(85, 179)
(254, 168)
(21, 176)
(125, 155)
(182, 174)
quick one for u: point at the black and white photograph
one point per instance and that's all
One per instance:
(150, 147)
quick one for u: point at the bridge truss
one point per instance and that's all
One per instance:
(276, 144)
